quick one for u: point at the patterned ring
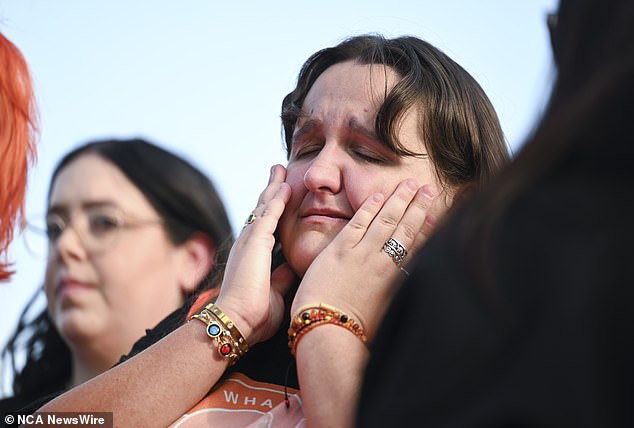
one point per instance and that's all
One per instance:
(395, 250)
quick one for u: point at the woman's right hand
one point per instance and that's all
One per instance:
(251, 295)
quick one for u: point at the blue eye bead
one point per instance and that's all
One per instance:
(213, 330)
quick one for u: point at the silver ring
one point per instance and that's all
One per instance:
(395, 250)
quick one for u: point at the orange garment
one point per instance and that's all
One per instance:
(204, 298)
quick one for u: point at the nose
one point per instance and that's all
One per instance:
(324, 173)
(68, 246)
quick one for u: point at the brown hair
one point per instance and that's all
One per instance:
(458, 123)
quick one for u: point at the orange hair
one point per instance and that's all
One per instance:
(18, 134)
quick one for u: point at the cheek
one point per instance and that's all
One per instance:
(358, 190)
(49, 279)
(123, 278)
(295, 176)
(361, 184)
(49, 287)
(137, 260)
(295, 179)
(131, 264)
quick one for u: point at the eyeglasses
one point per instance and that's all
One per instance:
(97, 228)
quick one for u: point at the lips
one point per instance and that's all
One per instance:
(325, 212)
(70, 285)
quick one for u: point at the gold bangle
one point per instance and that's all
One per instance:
(311, 316)
(231, 344)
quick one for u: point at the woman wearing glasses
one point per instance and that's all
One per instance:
(132, 231)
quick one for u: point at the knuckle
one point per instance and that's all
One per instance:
(356, 225)
(273, 207)
(388, 221)
(409, 231)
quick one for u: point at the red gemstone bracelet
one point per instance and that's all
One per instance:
(230, 342)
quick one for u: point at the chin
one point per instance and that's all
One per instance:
(301, 257)
(74, 326)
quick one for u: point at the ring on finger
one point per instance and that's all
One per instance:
(395, 250)
(250, 219)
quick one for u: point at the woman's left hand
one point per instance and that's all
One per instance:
(251, 295)
(354, 273)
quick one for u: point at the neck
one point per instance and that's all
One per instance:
(88, 363)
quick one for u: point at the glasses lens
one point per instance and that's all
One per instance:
(35, 239)
(55, 226)
(103, 227)
(97, 228)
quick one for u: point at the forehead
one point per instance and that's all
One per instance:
(346, 97)
(91, 178)
(351, 85)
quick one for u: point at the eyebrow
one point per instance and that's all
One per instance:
(311, 124)
(60, 208)
(357, 127)
(307, 128)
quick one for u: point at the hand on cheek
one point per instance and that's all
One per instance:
(354, 272)
(249, 295)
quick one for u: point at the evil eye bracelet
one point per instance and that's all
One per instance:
(230, 343)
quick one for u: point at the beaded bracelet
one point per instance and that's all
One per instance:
(231, 344)
(311, 316)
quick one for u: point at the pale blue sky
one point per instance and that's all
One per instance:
(206, 78)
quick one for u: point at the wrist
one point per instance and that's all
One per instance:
(309, 317)
(241, 323)
(229, 341)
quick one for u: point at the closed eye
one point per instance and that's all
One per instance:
(366, 153)
(304, 151)
(370, 158)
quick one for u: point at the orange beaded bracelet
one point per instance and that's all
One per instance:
(311, 316)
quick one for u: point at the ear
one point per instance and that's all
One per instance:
(197, 257)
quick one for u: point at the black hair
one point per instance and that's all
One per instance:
(589, 106)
